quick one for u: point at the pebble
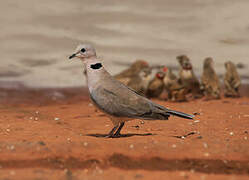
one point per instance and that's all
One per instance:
(141, 122)
(8, 130)
(173, 146)
(12, 147)
(131, 146)
(231, 133)
(56, 119)
(196, 121)
(205, 145)
(36, 118)
(85, 144)
(245, 138)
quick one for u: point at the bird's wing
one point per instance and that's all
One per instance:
(118, 100)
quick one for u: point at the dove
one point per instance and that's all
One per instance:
(116, 100)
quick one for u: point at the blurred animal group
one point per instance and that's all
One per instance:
(165, 85)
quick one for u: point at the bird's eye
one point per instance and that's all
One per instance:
(83, 50)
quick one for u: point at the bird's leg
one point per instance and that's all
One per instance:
(117, 134)
(111, 133)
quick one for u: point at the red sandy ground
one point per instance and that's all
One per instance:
(58, 134)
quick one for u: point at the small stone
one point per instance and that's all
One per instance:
(173, 146)
(245, 138)
(85, 144)
(131, 146)
(205, 145)
(12, 147)
(36, 112)
(56, 119)
(36, 118)
(196, 121)
(31, 118)
(8, 130)
(231, 133)
(141, 122)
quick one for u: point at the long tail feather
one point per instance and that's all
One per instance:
(180, 114)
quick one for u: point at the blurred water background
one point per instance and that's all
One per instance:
(38, 36)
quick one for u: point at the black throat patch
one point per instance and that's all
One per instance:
(96, 66)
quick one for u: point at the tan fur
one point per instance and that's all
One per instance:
(231, 80)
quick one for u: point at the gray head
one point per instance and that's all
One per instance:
(84, 51)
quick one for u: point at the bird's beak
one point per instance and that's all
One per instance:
(72, 56)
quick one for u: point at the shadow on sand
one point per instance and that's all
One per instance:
(121, 136)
